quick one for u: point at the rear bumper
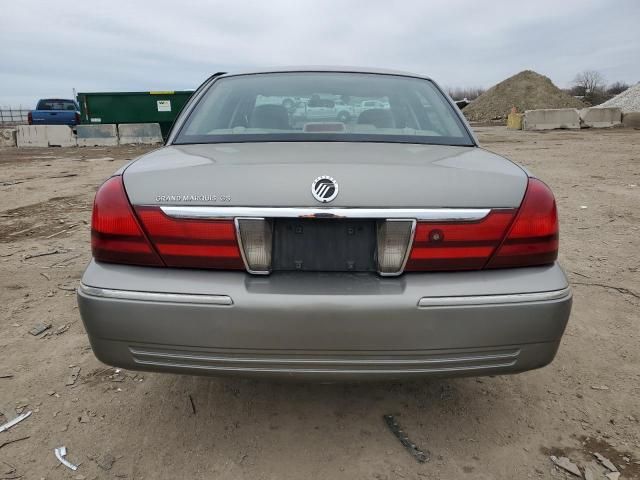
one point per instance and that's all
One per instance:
(325, 326)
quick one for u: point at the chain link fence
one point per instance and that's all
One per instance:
(13, 116)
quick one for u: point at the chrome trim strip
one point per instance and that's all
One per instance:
(329, 361)
(331, 371)
(494, 299)
(159, 297)
(423, 214)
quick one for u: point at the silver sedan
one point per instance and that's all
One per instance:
(387, 246)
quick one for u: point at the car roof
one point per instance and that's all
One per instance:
(325, 68)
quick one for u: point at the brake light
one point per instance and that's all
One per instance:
(77, 118)
(116, 236)
(458, 246)
(192, 242)
(30, 118)
(533, 237)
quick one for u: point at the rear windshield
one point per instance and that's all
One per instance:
(314, 106)
(56, 105)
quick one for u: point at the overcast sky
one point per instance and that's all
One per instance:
(49, 47)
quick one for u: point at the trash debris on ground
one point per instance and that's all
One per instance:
(73, 376)
(60, 453)
(608, 464)
(21, 405)
(599, 387)
(117, 376)
(106, 461)
(60, 330)
(13, 440)
(15, 421)
(6, 375)
(566, 464)
(193, 405)
(39, 328)
(418, 454)
(43, 254)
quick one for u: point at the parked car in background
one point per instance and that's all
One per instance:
(392, 246)
(55, 111)
(319, 108)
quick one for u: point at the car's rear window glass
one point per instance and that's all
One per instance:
(323, 106)
(56, 105)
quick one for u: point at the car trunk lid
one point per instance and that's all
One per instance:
(381, 175)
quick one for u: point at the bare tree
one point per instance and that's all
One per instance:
(470, 93)
(617, 87)
(590, 84)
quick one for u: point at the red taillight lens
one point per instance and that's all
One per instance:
(502, 239)
(116, 236)
(533, 237)
(458, 246)
(30, 118)
(77, 118)
(192, 243)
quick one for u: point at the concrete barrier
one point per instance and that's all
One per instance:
(550, 119)
(600, 117)
(97, 135)
(7, 137)
(631, 119)
(45, 136)
(146, 133)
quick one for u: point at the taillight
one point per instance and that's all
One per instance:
(505, 238)
(192, 242)
(458, 246)
(533, 237)
(77, 118)
(30, 118)
(116, 236)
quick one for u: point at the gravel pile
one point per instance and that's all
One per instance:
(628, 101)
(527, 90)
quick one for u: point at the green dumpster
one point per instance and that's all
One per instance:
(133, 107)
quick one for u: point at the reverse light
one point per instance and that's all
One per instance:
(116, 236)
(254, 235)
(394, 240)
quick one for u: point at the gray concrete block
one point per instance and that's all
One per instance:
(600, 117)
(550, 119)
(45, 136)
(7, 137)
(97, 135)
(631, 119)
(146, 133)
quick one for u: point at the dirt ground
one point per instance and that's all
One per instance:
(160, 426)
